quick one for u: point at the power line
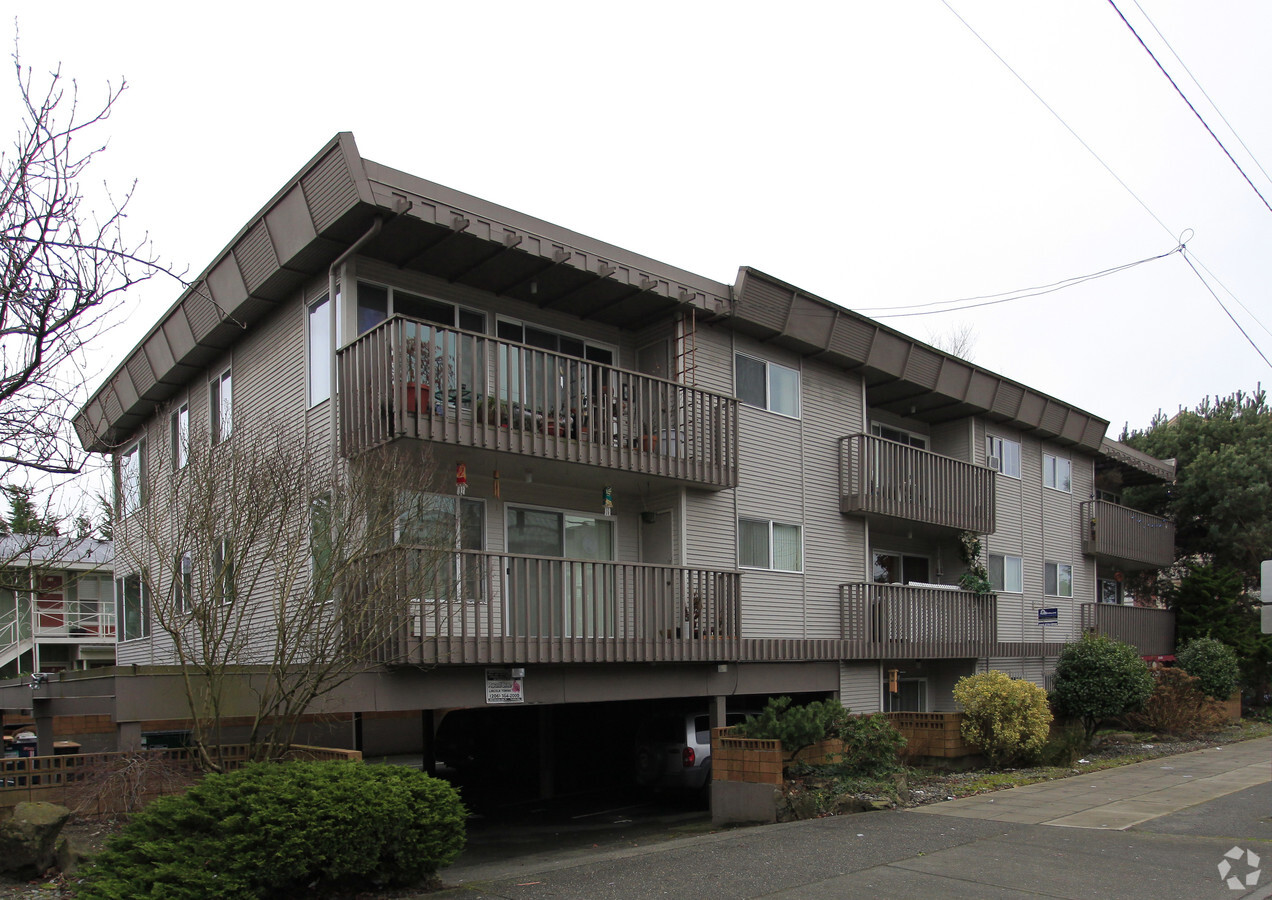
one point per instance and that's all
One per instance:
(1109, 168)
(1224, 308)
(1008, 296)
(1183, 97)
(1209, 99)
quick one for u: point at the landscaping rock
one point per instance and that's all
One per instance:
(28, 839)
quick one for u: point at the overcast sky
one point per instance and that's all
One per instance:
(876, 154)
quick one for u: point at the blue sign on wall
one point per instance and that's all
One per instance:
(1049, 615)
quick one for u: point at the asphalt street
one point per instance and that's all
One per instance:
(978, 849)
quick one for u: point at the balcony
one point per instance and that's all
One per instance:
(892, 621)
(883, 478)
(409, 379)
(1151, 631)
(438, 607)
(1126, 537)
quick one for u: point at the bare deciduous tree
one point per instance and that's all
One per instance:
(62, 267)
(957, 340)
(257, 560)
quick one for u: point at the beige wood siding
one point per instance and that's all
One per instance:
(859, 686)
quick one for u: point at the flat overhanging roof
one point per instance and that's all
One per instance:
(334, 199)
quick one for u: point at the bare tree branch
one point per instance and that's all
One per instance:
(63, 268)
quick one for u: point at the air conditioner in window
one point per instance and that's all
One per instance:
(994, 463)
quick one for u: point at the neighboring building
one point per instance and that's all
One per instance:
(676, 488)
(57, 604)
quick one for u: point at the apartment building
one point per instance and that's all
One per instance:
(662, 487)
(57, 604)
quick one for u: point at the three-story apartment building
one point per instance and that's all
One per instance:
(673, 487)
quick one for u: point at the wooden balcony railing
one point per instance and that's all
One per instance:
(1151, 631)
(1127, 536)
(892, 621)
(885, 478)
(410, 379)
(465, 607)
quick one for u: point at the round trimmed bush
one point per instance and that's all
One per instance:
(1004, 717)
(1099, 678)
(1213, 663)
(284, 830)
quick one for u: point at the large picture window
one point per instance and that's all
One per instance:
(764, 544)
(766, 385)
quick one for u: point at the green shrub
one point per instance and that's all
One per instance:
(1004, 717)
(1213, 663)
(1099, 678)
(795, 726)
(1063, 747)
(284, 830)
(872, 745)
(1178, 706)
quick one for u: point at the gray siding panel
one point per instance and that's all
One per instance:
(860, 686)
(329, 189)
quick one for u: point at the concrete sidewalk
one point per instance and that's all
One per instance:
(1126, 796)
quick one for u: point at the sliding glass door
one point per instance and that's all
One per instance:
(556, 589)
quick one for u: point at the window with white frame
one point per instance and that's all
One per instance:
(221, 406)
(901, 436)
(1057, 579)
(130, 479)
(321, 548)
(183, 586)
(319, 350)
(134, 609)
(766, 384)
(1003, 454)
(765, 544)
(1057, 473)
(1006, 573)
(900, 568)
(180, 422)
(223, 583)
(377, 302)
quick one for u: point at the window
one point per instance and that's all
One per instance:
(1057, 579)
(181, 436)
(182, 588)
(321, 550)
(319, 351)
(130, 479)
(1002, 454)
(1057, 473)
(1006, 574)
(1110, 591)
(901, 437)
(221, 404)
(766, 385)
(764, 544)
(134, 609)
(376, 303)
(899, 568)
(223, 571)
